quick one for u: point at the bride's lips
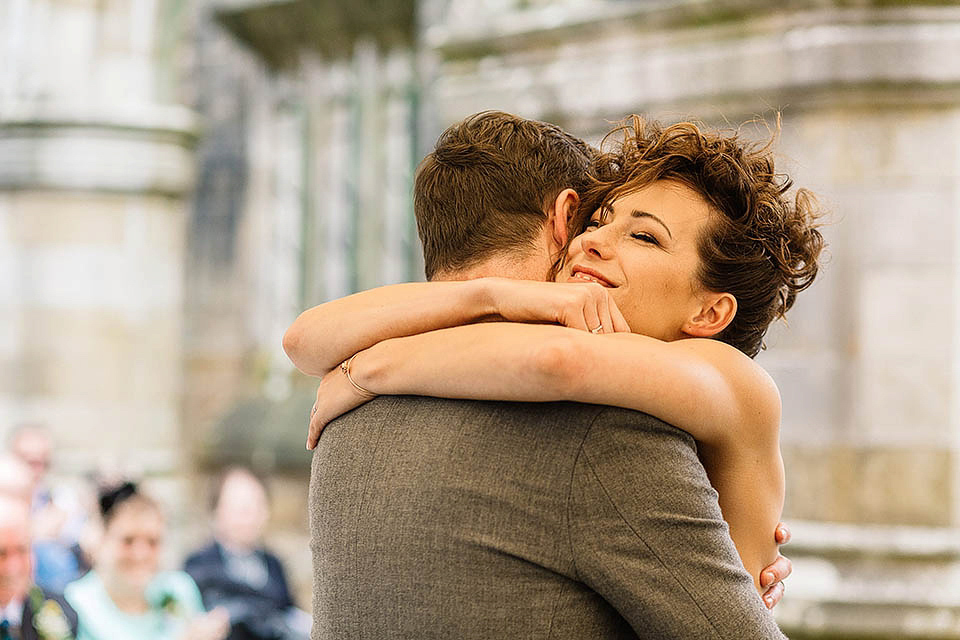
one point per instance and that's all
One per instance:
(589, 275)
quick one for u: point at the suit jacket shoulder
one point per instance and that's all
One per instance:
(209, 553)
(647, 533)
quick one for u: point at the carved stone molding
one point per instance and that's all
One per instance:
(147, 152)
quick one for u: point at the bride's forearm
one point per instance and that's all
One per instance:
(325, 335)
(494, 361)
(749, 479)
(701, 386)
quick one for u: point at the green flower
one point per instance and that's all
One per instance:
(168, 604)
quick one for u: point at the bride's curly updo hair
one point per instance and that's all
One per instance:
(762, 248)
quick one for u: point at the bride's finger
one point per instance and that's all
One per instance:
(591, 316)
(575, 319)
(316, 428)
(317, 422)
(606, 319)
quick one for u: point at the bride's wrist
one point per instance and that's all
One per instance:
(351, 374)
(368, 370)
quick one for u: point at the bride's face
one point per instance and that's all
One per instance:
(645, 251)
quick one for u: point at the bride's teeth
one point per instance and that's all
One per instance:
(586, 277)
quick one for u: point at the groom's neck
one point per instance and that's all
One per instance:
(523, 268)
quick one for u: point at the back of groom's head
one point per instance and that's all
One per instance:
(486, 187)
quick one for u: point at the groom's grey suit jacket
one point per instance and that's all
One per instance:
(448, 519)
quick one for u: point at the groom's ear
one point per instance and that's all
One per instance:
(560, 214)
(715, 314)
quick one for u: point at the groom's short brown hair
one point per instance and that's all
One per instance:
(486, 187)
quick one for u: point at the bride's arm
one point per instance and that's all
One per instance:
(707, 388)
(703, 386)
(325, 335)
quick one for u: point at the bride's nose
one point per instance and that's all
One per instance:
(597, 243)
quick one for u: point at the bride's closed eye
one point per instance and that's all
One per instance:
(646, 237)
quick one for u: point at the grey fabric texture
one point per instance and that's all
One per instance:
(434, 518)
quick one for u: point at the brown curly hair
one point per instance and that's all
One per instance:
(762, 248)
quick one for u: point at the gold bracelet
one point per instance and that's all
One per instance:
(345, 367)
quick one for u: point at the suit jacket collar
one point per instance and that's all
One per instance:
(27, 632)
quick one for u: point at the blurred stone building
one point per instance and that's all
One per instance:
(179, 178)
(96, 166)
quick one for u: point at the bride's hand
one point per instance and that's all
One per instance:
(335, 397)
(587, 306)
(772, 577)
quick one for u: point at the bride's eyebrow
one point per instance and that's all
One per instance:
(636, 213)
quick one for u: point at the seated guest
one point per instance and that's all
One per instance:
(126, 595)
(27, 612)
(14, 478)
(236, 572)
(58, 516)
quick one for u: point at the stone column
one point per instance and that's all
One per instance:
(95, 164)
(329, 88)
(398, 235)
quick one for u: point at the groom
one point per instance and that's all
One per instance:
(435, 518)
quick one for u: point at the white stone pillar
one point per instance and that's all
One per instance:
(94, 169)
(398, 233)
(329, 88)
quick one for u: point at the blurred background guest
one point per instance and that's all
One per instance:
(14, 478)
(27, 612)
(236, 572)
(126, 595)
(57, 515)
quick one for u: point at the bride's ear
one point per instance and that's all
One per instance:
(560, 214)
(715, 314)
